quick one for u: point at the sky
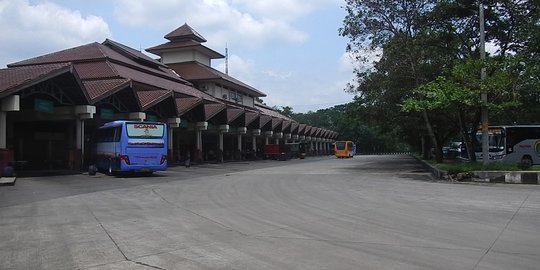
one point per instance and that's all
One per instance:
(288, 49)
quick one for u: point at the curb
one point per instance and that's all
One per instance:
(508, 177)
(517, 177)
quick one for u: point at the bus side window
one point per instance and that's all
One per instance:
(105, 135)
(117, 134)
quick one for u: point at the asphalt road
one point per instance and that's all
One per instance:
(370, 212)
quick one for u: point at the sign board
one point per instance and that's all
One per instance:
(106, 113)
(43, 105)
(151, 118)
(184, 123)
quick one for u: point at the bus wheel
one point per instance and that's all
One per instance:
(526, 162)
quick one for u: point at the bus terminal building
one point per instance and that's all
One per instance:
(51, 105)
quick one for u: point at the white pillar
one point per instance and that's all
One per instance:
(8, 104)
(170, 139)
(277, 141)
(78, 133)
(221, 141)
(254, 143)
(199, 140)
(266, 141)
(240, 142)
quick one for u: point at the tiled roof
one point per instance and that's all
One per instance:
(194, 71)
(95, 70)
(271, 112)
(264, 119)
(132, 53)
(233, 114)
(211, 109)
(149, 98)
(307, 131)
(250, 117)
(14, 78)
(84, 52)
(286, 124)
(184, 45)
(294, 127)
(301, 129)
(276, 122)
(185, 104)
(98, 89)
(185, 32)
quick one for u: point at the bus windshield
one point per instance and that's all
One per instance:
(145, 130)
(495, 140)
(340, 145)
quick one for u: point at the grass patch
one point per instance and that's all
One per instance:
(454, 168)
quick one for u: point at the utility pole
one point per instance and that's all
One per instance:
(485, 130)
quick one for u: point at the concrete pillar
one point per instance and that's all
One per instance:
(82, 112)
(268, 135)
(172, 124)
(240, 142)
(255, 133)
(79, 126)
(276, 141)
(221, 141)
(8, 104)
(200, 126)
(222, 129)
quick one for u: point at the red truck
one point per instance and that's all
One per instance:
(276, 151)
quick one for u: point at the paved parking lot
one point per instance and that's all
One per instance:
(369, 212)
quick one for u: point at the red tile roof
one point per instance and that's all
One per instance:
(271, 112)
(250, 117)
(264, 119)
(98, 89)
(185, 32)
(195, 71)
(301, 129)
(184, 45)
(15, 78)
(286, 124)
(233, 114)
(84, 52)
(294, 127)
(185, 104)
(211, 109)
(149, 98)
(276, 122)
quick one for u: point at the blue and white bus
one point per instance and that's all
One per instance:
(512, 144)
(127, 146)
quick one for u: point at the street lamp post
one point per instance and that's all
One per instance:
(485, 134)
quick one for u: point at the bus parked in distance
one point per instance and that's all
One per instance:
(127, 146)
(512, 144)
(344, 149)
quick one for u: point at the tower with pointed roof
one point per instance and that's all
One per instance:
(187, 56)
(185, 45)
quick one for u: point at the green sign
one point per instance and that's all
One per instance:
(184, 123)
(106, 113)
(151, 118)
(43, 105)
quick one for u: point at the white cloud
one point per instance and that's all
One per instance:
(239, 68)
(242, 23)
(30, 30)
(278, 75)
